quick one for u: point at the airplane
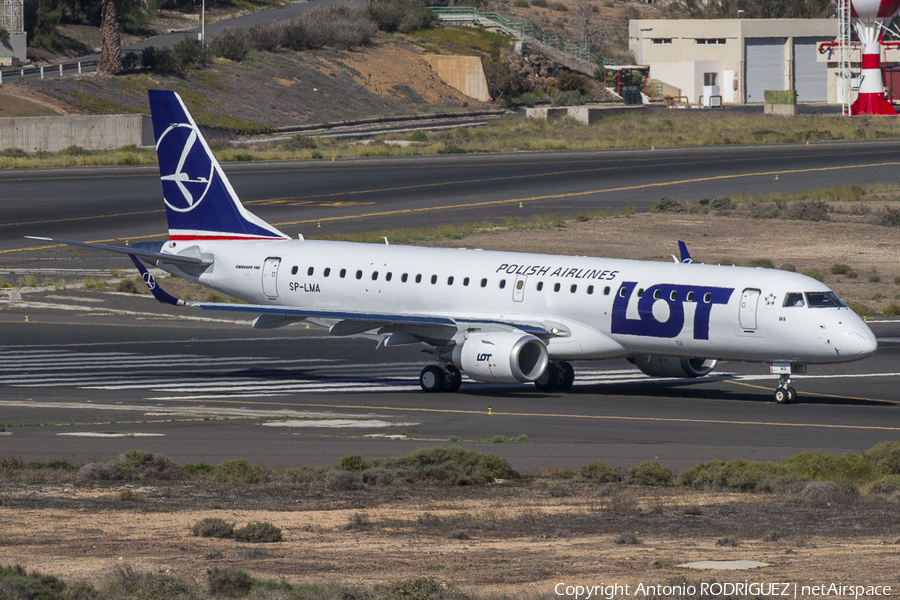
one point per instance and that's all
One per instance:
(498, 317)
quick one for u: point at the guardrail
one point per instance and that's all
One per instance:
(520, 30)
(56, 71)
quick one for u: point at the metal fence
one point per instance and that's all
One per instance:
(521, 30)
(56, 71)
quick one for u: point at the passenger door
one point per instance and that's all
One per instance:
(270, 277)
(749, 302)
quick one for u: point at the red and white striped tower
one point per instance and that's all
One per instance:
(868, 17)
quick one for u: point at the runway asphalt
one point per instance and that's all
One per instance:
(87, 386)
(321, 197)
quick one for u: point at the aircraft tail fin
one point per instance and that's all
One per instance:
(200, 202)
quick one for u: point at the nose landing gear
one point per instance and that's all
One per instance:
(784, 393)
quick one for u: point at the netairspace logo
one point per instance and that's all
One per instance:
(745, 588)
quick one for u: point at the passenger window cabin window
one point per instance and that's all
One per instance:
(294, 271)
(540, 285)
(623, 291)
(520, 284)
(310, 271)
(590, 290)
(374, 275)
(606, 291)
(450, 280)
(673, 296)
(707, 298)
(404, 277)
(327, 271)
(556, 287)
(657, 294)
(640, 293)
(419, 278)
(574, 288)
(689, 297)
(465, 281)
(502, 283)
(359, 274)
(484, 282)
(388, 276)
(433, 279)
(343, 273)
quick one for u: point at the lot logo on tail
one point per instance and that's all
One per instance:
(185, 167)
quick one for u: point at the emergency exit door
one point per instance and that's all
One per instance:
(749, 302)
(270, 277)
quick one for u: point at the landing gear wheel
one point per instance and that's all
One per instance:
(566, 376)
(792, 395)
(452, 379)
(547, 380)
(782, 395)
(432, 379)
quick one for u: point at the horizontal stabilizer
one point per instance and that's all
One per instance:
(146, 254)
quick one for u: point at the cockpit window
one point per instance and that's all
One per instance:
(823, 300)
(793, 299)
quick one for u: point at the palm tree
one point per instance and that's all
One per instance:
(111, 49)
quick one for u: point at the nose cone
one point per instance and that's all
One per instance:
(861, 342)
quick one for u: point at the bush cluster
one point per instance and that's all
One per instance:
(600, 473)
(134, 465)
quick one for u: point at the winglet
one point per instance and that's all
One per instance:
(685, 255)
(158, 293)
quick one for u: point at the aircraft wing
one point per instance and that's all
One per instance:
(347, 322)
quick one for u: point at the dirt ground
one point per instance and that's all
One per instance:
(502, 539)
(16, 101)
(866, 248)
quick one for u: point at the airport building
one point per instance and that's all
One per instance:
(739, 59)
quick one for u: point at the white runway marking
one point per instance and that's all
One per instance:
(187, 377)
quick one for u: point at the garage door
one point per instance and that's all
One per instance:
(810, 77)
(764, 67)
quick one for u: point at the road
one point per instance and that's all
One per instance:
(88, 386)
(317, 197)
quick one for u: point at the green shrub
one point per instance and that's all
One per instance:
(238, 470)
(815, 274)
(826, 493)
(889, 484)
(891, 310)
(213, 527)
(261, 532)
(819, 466)
(299, 142)
(344, 481)
(873, 278)
(728, 541)
(885, 456)
(788, 267)
(353, 462)
(228, 582)
(667, 204)
(570, 81)
(815, 210)
(418, 136)
(420, 588)
(528, 99)
(890, 218)
(600, 473)
(454, 465)
(17, 583)
(627, 538)
(569, 98)
(231, 43)
(840, 269)
(859, 308)
(650, 473)
(136, 465)
(764, 263)
(734, 475)
(127, 286)
(161, 586)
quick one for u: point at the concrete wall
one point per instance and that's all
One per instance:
(51, 134)
(14, 46)
(464, 73)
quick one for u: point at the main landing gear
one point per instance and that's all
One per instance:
(557, 376)
(440, 378)
(784, 393)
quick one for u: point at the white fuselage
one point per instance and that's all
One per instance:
(601, 307)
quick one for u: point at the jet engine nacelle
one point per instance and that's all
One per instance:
(501, 357)
(673, 366)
